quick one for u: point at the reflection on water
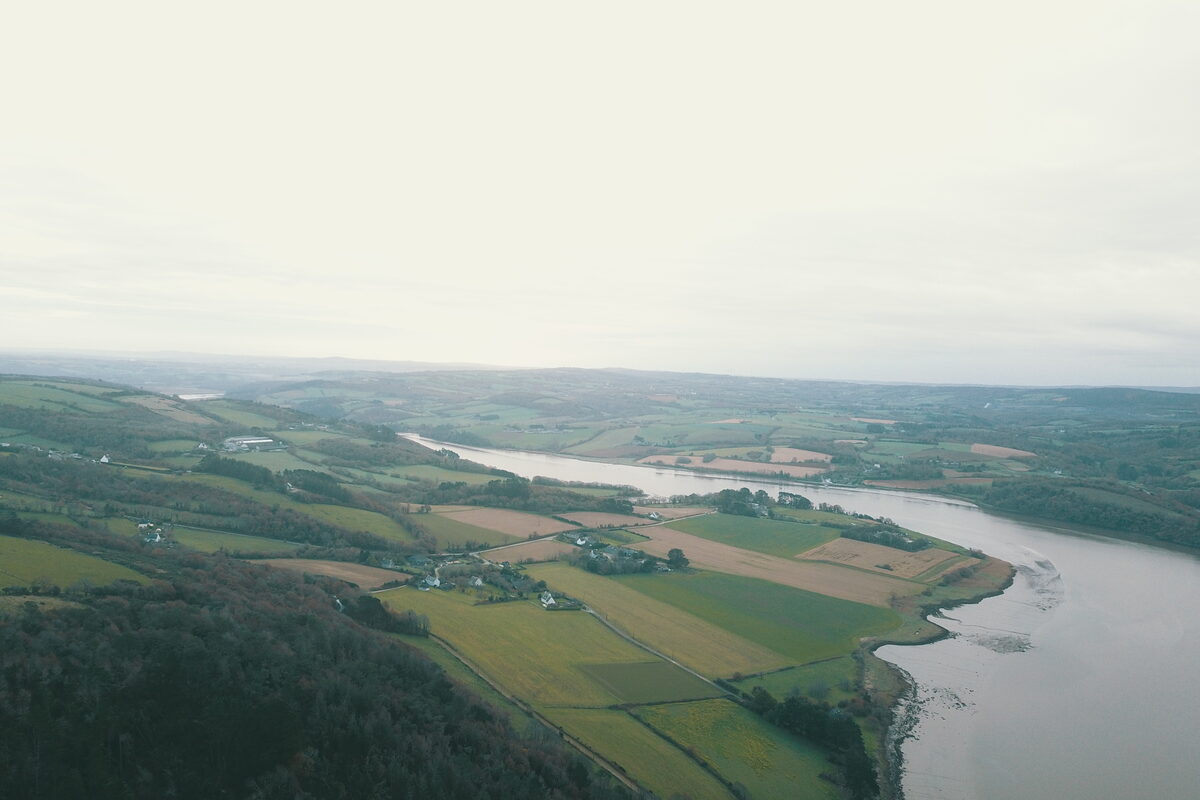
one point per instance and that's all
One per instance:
(1079, 682)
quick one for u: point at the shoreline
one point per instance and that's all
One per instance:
(902, 713)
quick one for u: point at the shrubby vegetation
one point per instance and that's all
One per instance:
(829, 727)
(1120, 511)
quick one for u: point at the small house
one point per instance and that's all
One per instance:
(432, 581)
(476, 582)
(548, 600)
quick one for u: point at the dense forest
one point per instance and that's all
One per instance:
(226, 679)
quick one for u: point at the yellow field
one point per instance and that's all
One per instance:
(684, 637)
(644, 756)
(531, 652)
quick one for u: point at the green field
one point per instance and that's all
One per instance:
(459, 672)
(212, 542)
(650, 682)
(683, 636)
(23, 561)
(231, 413)
(452, 534)
(355, 519)
(534, 653)
(774, 537)
(358, 519)
(428, 472)
(769, 762)
(822, 680)
(803, 626)
(277, 461)
(27, 395)
(644, 755)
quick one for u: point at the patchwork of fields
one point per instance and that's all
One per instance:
(742, 747)
(840, 582)
(670, 629)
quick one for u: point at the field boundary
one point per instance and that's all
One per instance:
(614, 769)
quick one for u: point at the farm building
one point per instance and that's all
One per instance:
(234, 443)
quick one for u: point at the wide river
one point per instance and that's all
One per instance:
(1080, 682)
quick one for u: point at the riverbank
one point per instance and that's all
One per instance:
(892, 688)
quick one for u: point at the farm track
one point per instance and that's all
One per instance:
(629, 638)
(529, 710)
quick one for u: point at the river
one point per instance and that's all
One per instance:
(1082, 681)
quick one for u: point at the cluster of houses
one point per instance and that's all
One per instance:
(152, 533)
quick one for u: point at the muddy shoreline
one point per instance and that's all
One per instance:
(902, 704)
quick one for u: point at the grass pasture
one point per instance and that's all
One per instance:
(452, 534)
(641, 753)
(213, 541)
(459, 672)
(821, 680)
(535, 654)
(769, 762)
(650, 682)
(802, 626)
(35, 394)
(685, 637)
(23, 561)
(770, 536)
(428, 472)
(230, 412)
(277, 461)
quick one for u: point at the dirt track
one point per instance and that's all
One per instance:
(842, 582)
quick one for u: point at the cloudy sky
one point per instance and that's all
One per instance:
(926, 191)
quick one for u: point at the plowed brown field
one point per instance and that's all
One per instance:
(514, 523)
(866, 555)
(365, 577)
(835, 581)
(540, 550)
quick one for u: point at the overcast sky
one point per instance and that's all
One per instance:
(923, 191)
